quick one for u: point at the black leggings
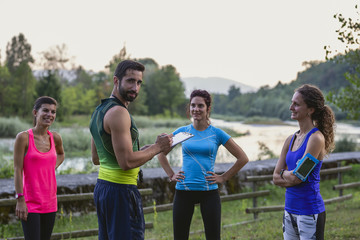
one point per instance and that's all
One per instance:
(183, 209)
(38, 226)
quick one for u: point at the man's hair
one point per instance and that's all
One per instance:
(121, 68)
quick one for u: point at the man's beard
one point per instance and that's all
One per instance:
(124, 95)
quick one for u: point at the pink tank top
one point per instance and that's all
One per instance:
(39, 179)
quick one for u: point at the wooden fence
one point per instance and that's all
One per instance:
(255, 210)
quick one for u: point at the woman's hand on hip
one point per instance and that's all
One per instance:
(178, 177)
(214, 178)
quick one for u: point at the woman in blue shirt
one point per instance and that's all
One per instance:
(304, 215)
(197, 181)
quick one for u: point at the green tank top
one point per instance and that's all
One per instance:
(109, 167)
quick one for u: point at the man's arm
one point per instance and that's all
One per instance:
(117, 122)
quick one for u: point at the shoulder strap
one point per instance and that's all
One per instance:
(292, 141)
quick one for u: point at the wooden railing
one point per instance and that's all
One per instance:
(339, 170)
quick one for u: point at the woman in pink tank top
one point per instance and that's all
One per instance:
(37, 153)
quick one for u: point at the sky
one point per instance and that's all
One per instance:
(255, 42)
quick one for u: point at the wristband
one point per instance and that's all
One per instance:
(18, 195)
(281, 173)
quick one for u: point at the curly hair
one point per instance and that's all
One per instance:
(323, 116)
(205, 95)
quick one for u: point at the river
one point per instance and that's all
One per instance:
(273, 136)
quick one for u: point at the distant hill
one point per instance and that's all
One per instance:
(214, 85)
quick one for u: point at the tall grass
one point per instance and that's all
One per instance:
(6, 164)
(76, 142)
(346, 144)
(157, 122)
(9, 127)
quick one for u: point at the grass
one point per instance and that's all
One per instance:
(228, 118)
(264, 121)
(342, 219)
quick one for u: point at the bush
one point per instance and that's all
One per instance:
(345, 145)
(151, 122)
(9, 127)
(6, 166)
(76, 142)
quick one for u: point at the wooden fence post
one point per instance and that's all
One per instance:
(255, 199)
(340, 178)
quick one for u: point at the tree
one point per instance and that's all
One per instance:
(5, 80)
(122, 55)
(165, 91)
(49, 85)
(108, 82)
(18, 52)
(141, 105)
(21, 88)
(83, 77)
(233, 92)
(56, 58)
(348, 98)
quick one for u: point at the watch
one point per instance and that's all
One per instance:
(282, 172)
(19, 195)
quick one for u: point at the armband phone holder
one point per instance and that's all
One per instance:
(305, 166)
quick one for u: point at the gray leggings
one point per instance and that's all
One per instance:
(309, 227)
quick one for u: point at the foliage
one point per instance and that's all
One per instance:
(228, 118)
(19, 83)
(159, 122)
(345, 145)
(10, 127)
(164, 91)
(78, 100)
(79, 91)
(18, 52)
(265, 152)
(5, 83)
(6, 165)
(348, 97)
(76, 142)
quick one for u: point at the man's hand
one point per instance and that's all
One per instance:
(164, 141)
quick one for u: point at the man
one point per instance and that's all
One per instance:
(115, 146)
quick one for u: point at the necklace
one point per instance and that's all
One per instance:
(43, 140)
(299, 139)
